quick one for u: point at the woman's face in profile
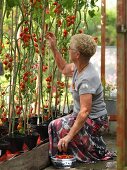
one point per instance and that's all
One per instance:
(72, 53)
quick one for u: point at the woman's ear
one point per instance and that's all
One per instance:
(78, 54)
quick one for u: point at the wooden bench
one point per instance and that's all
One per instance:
(36, 159)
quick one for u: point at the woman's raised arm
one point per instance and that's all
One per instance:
(64, 67)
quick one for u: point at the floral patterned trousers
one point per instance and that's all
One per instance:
(88, 145)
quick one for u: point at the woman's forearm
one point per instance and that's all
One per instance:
(78, 124)
(59, 59)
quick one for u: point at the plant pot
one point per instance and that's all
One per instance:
(31, 140)
(16, 142)
(3, 130)
(43, 131)
(4, 145)
(111, 106)
(33, 120)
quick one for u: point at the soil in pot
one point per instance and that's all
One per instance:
(16, 142)
(42, 129)
(4, 146)
(31, 140)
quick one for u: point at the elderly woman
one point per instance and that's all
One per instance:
(79, 133)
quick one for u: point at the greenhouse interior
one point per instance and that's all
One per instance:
(63, 84)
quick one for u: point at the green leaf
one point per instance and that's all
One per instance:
(80, 4)
(91, 13)
(12, 3)
(68, 4)
(92, 3)
(47, 19)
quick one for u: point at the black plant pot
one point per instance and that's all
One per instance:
(4, 146)
(43, 131)
(3, 130)
(16, 142)
(31, 140)
(33, 120)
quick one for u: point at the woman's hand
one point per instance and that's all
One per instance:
(51, 39)
(63, 143)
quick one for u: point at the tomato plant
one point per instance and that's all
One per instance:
(31, 77)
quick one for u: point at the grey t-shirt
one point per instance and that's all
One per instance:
(88, 81)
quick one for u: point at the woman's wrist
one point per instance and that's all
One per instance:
(69, 137)
(54, 49)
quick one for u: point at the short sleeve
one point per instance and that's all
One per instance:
(86, 86)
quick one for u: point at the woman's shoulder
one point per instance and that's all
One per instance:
(89, 72)
(89, 76)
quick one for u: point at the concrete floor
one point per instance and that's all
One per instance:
(102, 165)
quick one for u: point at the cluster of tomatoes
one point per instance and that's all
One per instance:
(59, 23)
(70, 20)
(8, 62)
(65, 33)
(27, 77)
(44, 68)
(23, 82)
(31, 114)
(20, 124)
(48, 80)
(36, 3)
(46, 111)
(19, 127)
(1, 47)
(25, 37)
(36, 46)
(58, 8)
(64, 156)
(60, 84)
(3, 117)
(19, 109)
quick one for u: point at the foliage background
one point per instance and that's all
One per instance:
(31, 76)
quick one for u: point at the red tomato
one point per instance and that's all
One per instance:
(25, 79)
(18, 112)
(64, 156)
(26, 29)
(35, 45)
(65, 33)
(3, 119)
(3, 93)
(45, 117)
(10, 59)
(5, 62)
(55, 3)
(48, 86)
(35, 39)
